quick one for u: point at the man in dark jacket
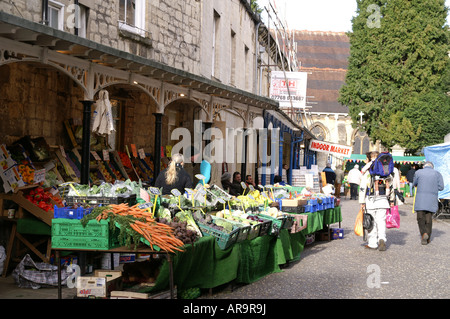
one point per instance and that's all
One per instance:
(429, 182)
(410, 179)
(329, 174)
(236, 188)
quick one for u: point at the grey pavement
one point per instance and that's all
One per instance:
(345, 269)
(338, 269)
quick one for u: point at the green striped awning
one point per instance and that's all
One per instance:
(398, 159)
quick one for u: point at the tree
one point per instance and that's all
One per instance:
(398, 72)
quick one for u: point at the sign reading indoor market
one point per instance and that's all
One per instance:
(295, 81)
(335, 149)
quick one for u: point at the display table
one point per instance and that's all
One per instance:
(140, 250)
(204, 265)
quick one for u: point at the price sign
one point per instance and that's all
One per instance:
(221, 200)
(154, 190)
(200, 176)
(175, 192)
(146, 205)
(141, 153)
(39, 175)
(244, 186)
(96, 157)
(251, 188)
(105, 155)
(251, 197)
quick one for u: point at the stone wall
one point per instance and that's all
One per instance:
(35, 100)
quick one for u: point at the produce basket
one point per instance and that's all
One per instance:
(293, 209)
(70, 212)
(277, 223)
(244, 230)
(100, 200)
(265, 224)
(70, 233)
(289, 221)
(224, 240)
(254, 232)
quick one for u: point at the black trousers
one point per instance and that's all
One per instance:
(353, 191)
(425, 221)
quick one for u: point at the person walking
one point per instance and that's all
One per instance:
(376, 200)
(329, 174)
(174, 176)
(354, 179)
(429, 182)
(338, 182)
(410, 178)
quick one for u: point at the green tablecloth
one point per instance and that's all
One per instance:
(202, 265)
(289, 246)
(205, 265)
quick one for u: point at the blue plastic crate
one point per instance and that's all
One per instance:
(310, 208)
(71, 213)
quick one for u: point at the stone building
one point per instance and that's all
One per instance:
(164, 64)
(324, 55)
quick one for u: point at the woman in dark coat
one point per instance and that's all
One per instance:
(174, 176)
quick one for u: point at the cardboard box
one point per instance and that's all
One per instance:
(293, 202)
(99, 286)
(128, 295)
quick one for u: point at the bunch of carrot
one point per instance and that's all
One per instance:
(143, 222)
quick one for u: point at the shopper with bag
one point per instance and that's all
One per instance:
(429, 182)
(376, 195)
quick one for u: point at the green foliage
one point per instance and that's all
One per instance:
(255, 6)
(398, 71)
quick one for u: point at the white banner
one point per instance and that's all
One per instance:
(335, 149)
(296, 81)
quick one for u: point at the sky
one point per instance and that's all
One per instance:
(315, 15)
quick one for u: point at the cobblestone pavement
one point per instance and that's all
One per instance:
(345, 269)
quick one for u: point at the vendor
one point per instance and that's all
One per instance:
(226, 183)
(174, 176)
(236, 188)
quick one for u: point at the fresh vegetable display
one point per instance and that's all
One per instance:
(27, 172)
(135, 224)
(41, 199)
(181, 231)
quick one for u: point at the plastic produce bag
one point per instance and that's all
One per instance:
(359, 231)
(392, 217)
(29, 274)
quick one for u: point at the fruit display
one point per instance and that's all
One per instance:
(42, 199)
(27, 172)
(105, 172)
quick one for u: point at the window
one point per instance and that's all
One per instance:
(361, 143)
(56, 15)
(77, 19)
(215, 41)
(132, 16)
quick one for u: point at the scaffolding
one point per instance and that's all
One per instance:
(286, 51)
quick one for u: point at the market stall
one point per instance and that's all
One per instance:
(211, 237)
